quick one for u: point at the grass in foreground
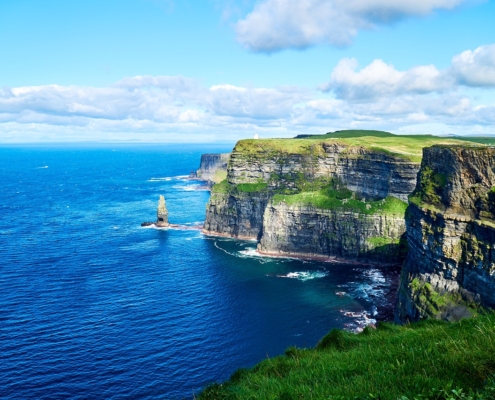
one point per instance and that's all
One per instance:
(427, 360)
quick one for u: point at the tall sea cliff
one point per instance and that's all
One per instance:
(340, 196)
(213, 167)
(450, 267)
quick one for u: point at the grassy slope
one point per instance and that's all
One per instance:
(405, 146)
(429, 359)
(330, 199)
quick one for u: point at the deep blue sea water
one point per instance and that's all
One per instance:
(93, 306)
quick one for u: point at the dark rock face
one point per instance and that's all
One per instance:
(236, 215)
(210, 164)
(450, 266)
(246, 211)
(371, 174)
(311, 231)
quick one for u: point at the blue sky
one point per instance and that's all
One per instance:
(221, 70)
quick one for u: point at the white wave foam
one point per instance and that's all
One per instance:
(45, 167)
(158, 228)
(372, 288)
(185, 188)
(225, 251)
(249, 252)
(167, 178)
(305, 275)
(361, 320)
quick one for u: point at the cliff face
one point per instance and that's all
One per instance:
(307, 230)
(264, 198)
(450, 266)
(238, 215)
(213, 167)
(369, 173)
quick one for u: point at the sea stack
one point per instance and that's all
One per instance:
(162, 213)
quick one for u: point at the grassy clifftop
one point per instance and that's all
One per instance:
(404, 146)
(426, 360)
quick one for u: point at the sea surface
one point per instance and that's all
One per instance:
(94, 306)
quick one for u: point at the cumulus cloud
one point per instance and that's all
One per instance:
(275, 25)
(381, 79)
(149, 103)
(257, 103)
(378, 79)
(157, 108)
(475, 68)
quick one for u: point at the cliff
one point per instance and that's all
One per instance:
(450, 267)
(295, 165)
(305, 230)
(213, 167)
(342, 195)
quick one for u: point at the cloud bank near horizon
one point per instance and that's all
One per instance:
(378, 79)
(422, 99)
(275, 25)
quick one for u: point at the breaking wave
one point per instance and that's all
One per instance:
(305, 275)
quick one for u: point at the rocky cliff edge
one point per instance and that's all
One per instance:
(449, 271)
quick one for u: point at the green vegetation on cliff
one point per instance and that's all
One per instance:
(448, 305)
(427, 360)
(330, 198)
(403, 146)
(221, 187)
(225, 187)
(430, 188)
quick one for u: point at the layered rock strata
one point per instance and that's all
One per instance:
(369, 173)
(450, 267)
(211, 166)
(309, 231)
(236, 214)
(243, 206)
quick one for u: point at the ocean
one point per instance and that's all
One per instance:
(92, 305)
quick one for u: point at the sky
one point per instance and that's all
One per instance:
(223, 70)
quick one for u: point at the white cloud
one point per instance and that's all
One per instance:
(275, 25)
(381, 79)
(164, 108)
(378, 79)
(259, 103)
(475, 68)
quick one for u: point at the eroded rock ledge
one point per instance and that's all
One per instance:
(450, 268)
(315, 198)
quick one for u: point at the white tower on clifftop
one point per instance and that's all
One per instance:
(256, 136)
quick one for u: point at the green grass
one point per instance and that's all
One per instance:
(221, 187)
(252, 187)
(490, 141)
(378, 241)
(426, 360)
(430, 188)
(225, 187)
(342, 199)
(353, 133)
(408, 147)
